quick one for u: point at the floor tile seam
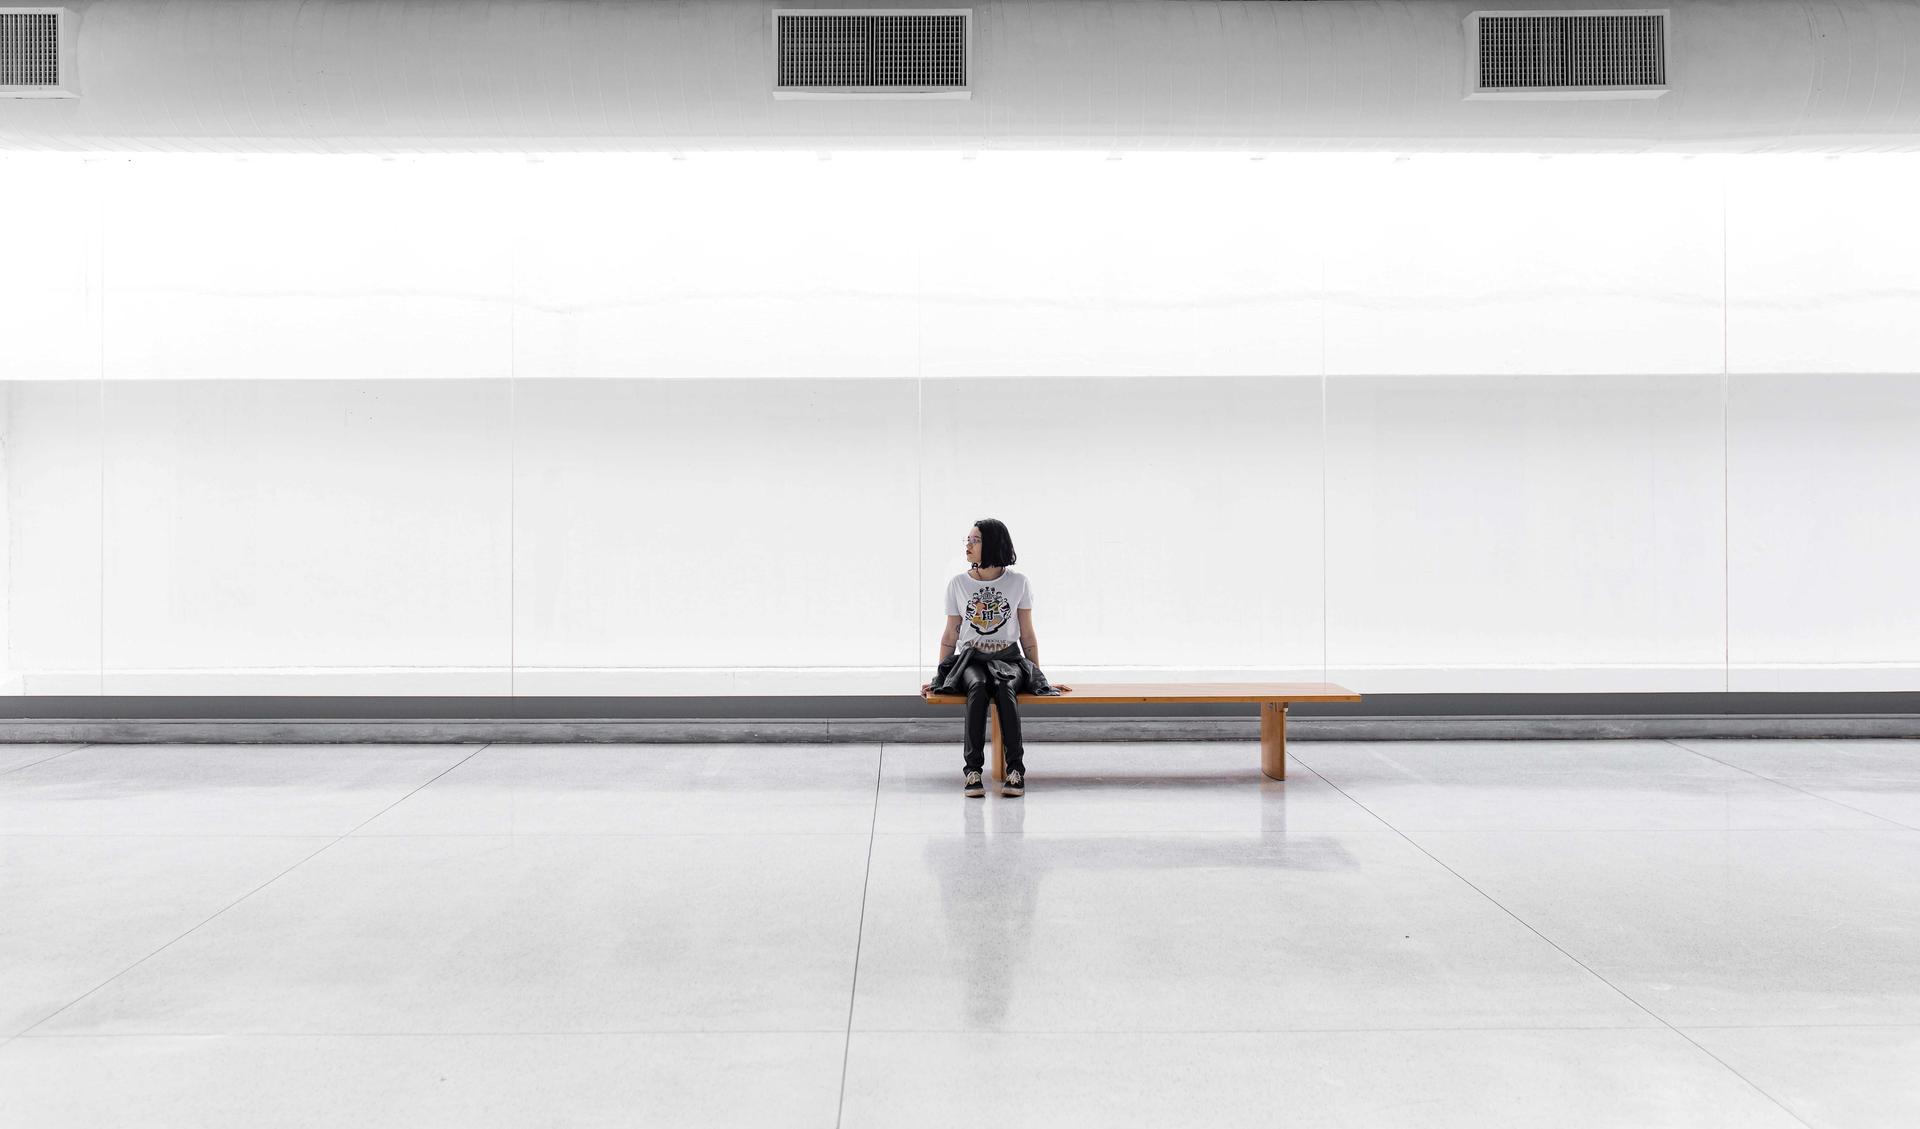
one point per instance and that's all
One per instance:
(1257, 833)
(1489, 898)
(859, 935)
(1155, 832)
(1681, 744)
(881, 1032)
(669, 1032)
(1294, 761)
(1683, 748)
(665, 1032)
(155, 835)
(1658, 1025)
(1223, 1032)
(459, 835)
(243, 897)
(1913, 1026)
(1624, 784)
(44, 760)
(1800, 830)
(1623, 994)
(1785, 784)
(1089, 833)
(612, 835)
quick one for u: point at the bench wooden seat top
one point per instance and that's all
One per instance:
(1272, 697)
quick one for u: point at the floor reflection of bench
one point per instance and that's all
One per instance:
(1272, 697)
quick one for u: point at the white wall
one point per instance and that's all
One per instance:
(332, 424)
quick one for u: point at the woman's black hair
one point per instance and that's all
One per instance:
(996, 544)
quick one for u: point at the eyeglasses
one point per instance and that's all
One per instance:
(973, 540)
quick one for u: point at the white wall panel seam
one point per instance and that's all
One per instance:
(1727, 440)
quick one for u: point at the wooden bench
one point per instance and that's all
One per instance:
(1272, 698)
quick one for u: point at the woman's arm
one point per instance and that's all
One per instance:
(949, 638)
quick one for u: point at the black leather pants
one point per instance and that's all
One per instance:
(984, 689)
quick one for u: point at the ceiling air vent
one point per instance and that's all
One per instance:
(1586, 54)
(890, 53)
(35, 60)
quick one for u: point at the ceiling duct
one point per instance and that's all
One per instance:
(31, 53)
(1586, 54)
(867, 53)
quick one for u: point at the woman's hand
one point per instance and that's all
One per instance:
(925, 689)
(1063, 689)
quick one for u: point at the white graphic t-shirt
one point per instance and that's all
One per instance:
(986, 609)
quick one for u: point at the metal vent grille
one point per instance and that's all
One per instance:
(1584, 52)
(858, 52)
(29, 49)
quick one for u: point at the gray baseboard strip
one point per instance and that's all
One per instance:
(942, 729)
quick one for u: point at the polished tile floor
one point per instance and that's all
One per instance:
(1474, 934)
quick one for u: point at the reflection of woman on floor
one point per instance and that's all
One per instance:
(989, 897)
(980, 658)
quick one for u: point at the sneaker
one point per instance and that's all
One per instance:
(975, 787)
(1015, 784)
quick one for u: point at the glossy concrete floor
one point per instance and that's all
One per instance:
(1616, 933)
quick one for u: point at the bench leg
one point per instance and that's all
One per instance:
(1273, 739)
(999, 748)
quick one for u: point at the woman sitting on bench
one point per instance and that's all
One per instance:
(989, 666)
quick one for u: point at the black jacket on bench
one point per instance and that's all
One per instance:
(1010, 665)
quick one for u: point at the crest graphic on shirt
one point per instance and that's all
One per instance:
(987, 611)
